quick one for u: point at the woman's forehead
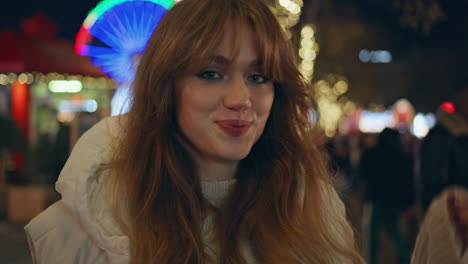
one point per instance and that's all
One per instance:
(218, 60)
(236, 40)
(237, 37)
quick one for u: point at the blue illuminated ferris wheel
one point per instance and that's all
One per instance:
(115, 32)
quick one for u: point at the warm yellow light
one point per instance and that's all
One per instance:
(288, 13)
(292, 21)
(3, 79)
(296, 10)
(307, 32)
(330, 114)
(315, 47)
(22, 78)
(341, 87)
(39, 77)
(302, 52)
(284, 3)
(307, 54)
(11, 77)
(307, 43)
(349, 107)
(29, 78)
(307, 65)
(323, 89)
(310, 54)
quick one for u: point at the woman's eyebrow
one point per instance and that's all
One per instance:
(222, 60)
(255, 63)
(219, 59)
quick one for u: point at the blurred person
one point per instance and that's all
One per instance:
(62, 147)
(433, 175)
(458, 162)
(347, 179)
(368, 140)
(12, 146)
(443, 236)
(340, 162)
(214, 163)
(387, 172)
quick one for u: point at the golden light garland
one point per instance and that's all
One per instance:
(308, 51)
(332, 103)
(45, 78)
(288, 13)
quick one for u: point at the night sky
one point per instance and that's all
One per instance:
(70, 14)
(67, 14)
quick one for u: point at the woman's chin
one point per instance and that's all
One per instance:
(235, 155)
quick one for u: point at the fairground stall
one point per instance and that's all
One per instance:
(50, 94)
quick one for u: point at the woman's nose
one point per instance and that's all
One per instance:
(238, 95)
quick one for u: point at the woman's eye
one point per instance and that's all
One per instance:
(257, 78)
(211, 75)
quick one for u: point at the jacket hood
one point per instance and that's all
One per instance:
(78, 185)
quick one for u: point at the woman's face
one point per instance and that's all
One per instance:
(223, 105)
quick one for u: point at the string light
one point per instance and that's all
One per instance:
(307, 51)
(288, 13)
(22, 78)
(332, 105)
(38, 78)
(11, 78)
(29, 78)
(3, 79)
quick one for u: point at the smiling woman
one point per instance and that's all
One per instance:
(223, 107)
(214, 163)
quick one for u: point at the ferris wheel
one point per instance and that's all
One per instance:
(114, 34)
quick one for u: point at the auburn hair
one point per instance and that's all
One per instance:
(283, 203)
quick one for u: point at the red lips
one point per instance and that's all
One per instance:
(234, 128)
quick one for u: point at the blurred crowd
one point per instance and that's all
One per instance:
(388, 179)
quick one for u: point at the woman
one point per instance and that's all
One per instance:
(214, 163)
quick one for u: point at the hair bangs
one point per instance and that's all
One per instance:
(208, 32)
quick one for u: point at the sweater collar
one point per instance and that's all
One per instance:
(216, 191)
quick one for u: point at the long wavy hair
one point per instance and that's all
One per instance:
(283, 204)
